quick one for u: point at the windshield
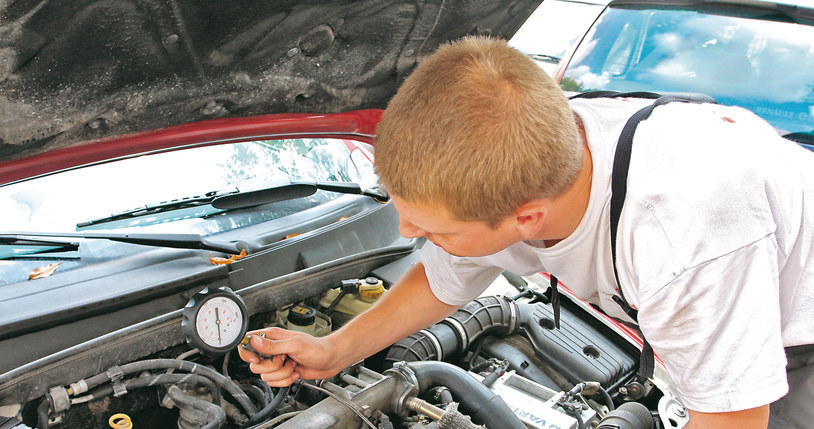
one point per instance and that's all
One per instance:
(764, 66)
(66, 201)
(552, 28)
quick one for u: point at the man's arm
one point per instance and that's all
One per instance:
(407, 307)
(753, 418)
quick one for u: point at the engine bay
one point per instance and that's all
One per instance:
(498, 362)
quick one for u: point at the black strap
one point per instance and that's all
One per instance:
(555, 300)
(621, 165)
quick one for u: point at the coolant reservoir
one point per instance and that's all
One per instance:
(304, 319)
(369, 290)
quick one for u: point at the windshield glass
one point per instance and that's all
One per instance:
(59, 202)
(764, 66)
(552, 28)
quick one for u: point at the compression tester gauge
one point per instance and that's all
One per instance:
(215, 321)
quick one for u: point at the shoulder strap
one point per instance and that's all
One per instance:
(621, 164)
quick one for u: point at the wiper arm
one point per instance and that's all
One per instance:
(164, 206)
(175, 241)
(290, 192)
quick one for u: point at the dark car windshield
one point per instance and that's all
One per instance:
(766, 66)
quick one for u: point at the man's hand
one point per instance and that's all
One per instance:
(753, 418)
(293, 355)
(407, 307)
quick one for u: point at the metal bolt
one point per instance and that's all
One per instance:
(678, 410)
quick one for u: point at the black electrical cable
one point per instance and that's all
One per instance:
(268, 409)
(607, 398)
(575, 414)
(264, 386)
(256, 393)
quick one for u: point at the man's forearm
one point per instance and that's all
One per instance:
(754, 418)
(407, 307)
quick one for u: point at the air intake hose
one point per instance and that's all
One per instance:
(630, 415)
(445, 340)
(477, 400)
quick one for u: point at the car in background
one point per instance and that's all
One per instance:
(755, 54)
(553, 27)
(173, 174)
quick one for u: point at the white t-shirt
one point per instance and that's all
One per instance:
(715, 247)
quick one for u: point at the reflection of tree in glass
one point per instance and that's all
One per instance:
(256, 215)
(257, 164)
(265, 162)
(568, 84)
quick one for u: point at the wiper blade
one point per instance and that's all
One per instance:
(801, 137)
(164, 206)
(41, 246)
(17, 240)
(175, 241)
(289, 192)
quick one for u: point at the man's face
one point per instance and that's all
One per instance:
(456, 237)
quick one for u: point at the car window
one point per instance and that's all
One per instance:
(763, 65)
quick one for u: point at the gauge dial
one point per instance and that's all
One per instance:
(215, 321)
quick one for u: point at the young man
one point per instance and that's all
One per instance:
(485, 157)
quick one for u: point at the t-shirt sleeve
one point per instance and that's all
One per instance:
(456, 280)
(717, 328)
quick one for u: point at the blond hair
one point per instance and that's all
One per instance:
(480, 129)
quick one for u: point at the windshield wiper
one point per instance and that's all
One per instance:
(229, 200)
(801, 137)
(175, 241)
(164, 206)
(44, 246)
(289, 192)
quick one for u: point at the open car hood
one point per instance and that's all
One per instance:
(81, 71)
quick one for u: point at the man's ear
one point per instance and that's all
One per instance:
(530, 218)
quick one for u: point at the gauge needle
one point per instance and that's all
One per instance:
(217, 322)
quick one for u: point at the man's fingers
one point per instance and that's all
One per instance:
(277, 378)
(274, 333)
(270, 346)
(247, 356)
(268, 365)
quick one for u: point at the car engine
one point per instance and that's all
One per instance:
(498, 362)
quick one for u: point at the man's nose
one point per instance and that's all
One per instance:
(408, 230)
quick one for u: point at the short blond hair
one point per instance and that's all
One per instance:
(479, 128)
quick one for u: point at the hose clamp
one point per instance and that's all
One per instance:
(459, 328)
(439, 353)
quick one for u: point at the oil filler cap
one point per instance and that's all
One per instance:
(302, 315)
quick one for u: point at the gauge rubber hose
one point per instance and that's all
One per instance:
(268, 409)
(161, 379)
(181, 365)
